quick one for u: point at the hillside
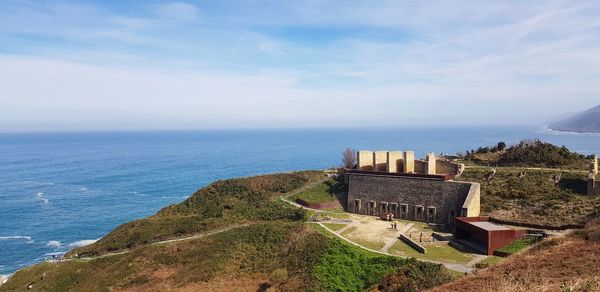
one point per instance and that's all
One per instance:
(533, 196)
(570, 263)
(584, 122)
(272, 249)
(527, 153)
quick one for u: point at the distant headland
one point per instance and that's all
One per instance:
(584, 122)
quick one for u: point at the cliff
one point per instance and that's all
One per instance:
(584, 122)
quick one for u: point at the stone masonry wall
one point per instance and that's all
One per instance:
(446, 197)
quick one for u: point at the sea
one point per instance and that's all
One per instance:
(63, 190)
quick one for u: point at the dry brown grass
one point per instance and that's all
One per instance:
(569, 263)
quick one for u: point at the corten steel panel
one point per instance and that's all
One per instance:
(492, 240)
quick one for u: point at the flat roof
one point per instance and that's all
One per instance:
(489, 226)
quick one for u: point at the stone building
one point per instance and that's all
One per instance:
(422, 190)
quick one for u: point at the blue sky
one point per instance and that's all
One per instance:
(101, 65)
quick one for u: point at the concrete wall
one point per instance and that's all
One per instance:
(420, 166)
(364, 160)
(395, 161)
(380, 160)
(443, 200)
(431, 164)
(409, 161)
(445, 167)
(472, 205)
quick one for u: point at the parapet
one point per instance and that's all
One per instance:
(364, 160)
(405, 162)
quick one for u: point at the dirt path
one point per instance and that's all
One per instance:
(167, 241)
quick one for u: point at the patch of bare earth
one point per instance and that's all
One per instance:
(568, 263)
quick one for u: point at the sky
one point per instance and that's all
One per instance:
(126, 65)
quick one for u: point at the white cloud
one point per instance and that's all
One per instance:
(397, 63)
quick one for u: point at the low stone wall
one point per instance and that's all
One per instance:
(320, 206)
(413, 244)
(441, 237)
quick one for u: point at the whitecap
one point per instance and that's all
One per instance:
(14, 237)
(54, 243)
(83, 242)
(4, 279)
(58, 253)
(40, 196)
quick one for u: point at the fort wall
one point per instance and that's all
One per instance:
(419, 199)
(364, 160)
(404, 162)
(380, 160)
(395, 162)
(409, 161)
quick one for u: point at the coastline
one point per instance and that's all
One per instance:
(549, 130)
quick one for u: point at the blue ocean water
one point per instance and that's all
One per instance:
(61, 190)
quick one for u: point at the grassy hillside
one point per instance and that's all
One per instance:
(326, 192)
(220, 204)
(570, 263)
(530, 153)
(284, 256)
(534, 198)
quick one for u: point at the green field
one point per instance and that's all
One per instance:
(441, 252)
(321, 193)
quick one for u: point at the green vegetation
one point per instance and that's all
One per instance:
(220, 204)
(437, 252)
(534, 197)
(347, 268)
(322, 193)
(517, 245)
(528, 153)
(292, 256)
(489, 261)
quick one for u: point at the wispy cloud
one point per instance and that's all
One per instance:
(259, 63)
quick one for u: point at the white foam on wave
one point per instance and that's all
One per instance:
(41, 197)
(17, 237)
(83, 242)
(54, 243)
(4, 279)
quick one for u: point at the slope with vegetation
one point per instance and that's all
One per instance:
(534, 196)
(529, 153)
(276, 250)
(570, 263)
(223, 203)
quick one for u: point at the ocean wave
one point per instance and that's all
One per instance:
(58, 253)
(4, 278)
(41, 197)
(54, 243)
(82, 242)
(15, 237)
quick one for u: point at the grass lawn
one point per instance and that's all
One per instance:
(442, 253)
(321, 193)
(374, 245)
(334, 226)
(492, 261)
(517, 245)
